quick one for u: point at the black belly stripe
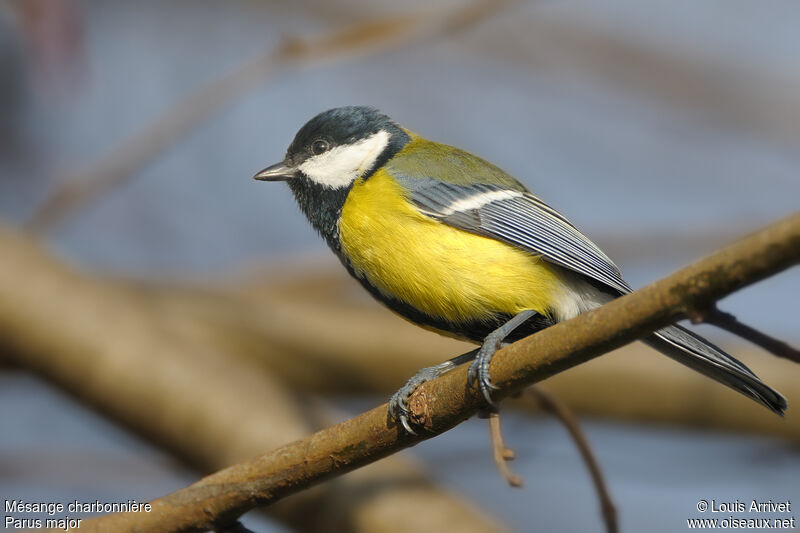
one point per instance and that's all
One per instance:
(475, 331)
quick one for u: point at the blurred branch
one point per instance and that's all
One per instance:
(445, 402)
(730, 323)
(78, 189)
(151, 364)
(551, 403)
(561, 42)
(500, 453)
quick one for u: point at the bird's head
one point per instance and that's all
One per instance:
(338, 146)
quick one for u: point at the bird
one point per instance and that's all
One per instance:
(456, 245)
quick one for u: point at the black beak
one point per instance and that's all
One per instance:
(277, 172)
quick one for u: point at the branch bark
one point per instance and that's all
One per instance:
(443, 403)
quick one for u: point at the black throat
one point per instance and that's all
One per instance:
(322, 206)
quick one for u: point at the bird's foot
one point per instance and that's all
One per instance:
(478, 374)
(398, 403)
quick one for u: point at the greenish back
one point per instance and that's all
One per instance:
(421, 159)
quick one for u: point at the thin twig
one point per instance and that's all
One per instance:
(78, 189)
(446, 401)
(551, 403)
(501, 454)
(730, 323)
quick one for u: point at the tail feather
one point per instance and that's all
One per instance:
(700, 355)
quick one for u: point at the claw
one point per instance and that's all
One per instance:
(486, 389)
(406, 425)
(398, 407)
(483, 382)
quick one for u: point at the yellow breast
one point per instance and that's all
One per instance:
(440, 270)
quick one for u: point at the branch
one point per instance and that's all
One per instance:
(550, 402)
(165, 363)
(441, 404)
(500, 453)
(731, 324)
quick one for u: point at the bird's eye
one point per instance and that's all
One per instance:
(319, 146)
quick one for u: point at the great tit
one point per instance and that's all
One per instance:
(454, 244)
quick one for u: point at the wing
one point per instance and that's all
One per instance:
(513, 215)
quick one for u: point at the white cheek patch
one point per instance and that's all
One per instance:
(339, 166)
(478, 200)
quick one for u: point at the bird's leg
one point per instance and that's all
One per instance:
(398, 403)
(479, 369)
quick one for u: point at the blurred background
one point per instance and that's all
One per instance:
(133, 236)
